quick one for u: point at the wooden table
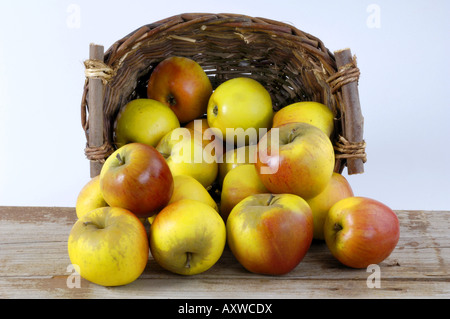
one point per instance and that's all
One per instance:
(34, 264)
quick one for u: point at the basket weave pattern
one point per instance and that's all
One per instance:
(291, 64)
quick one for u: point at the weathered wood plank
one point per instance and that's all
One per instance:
(201, 288)
(34, 264)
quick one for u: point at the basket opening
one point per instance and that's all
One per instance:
(285, 84)
(292, 65)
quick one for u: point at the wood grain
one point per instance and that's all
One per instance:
(34, 264)
(96, 91)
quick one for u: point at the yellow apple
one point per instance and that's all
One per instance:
(185, 154)
(90, 198)
(110, 246)
(301, 161)
(187, 187)
(144, 121)
(240, 104)
(239, 183)
(338, 188)
(187, 237)
(236, 157)
(313, 113)
(270, 234)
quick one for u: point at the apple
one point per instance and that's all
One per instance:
(110, 246)
(361, 231)
(181, 84)
(90, 198)
(270, 234)
(313, 113)
(300, 161)
(209, 135)
(239, 183)
(240, 104)
(198, 124)
(136, 177)
(187, 187)
(144, 121)
(187, 237)
(186, 154)
(338, 188)
(236, 157)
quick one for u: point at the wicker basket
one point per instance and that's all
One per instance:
(292, 65)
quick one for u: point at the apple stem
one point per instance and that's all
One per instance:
(337, 227)
(272, 199)
(188, 260)
(121, 162)
(171, 100)
(216, 110)
(166, 156)
(89, 223)
(290, 137)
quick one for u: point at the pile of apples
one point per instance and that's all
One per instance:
(203, 168)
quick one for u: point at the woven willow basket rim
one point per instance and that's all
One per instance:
(292, 64)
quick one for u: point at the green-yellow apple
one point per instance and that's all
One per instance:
(313, 113)
(300, 161)
(181, 84)
(360, 231)
(338, 188)
(240, 104)
(270, 234)
(144, 121)
(186, 154)
(236, 157)
(187, 237)
(90, 197)
(187, 187)
(136, 177)
(110, 246)
(239, 183)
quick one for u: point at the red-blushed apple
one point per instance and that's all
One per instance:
(270, 234)
(110, 246)
(300, 161)
(360, 231)
(183, 85)
(136, 177)
(338, 188)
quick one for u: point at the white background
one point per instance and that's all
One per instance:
(402, 49)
